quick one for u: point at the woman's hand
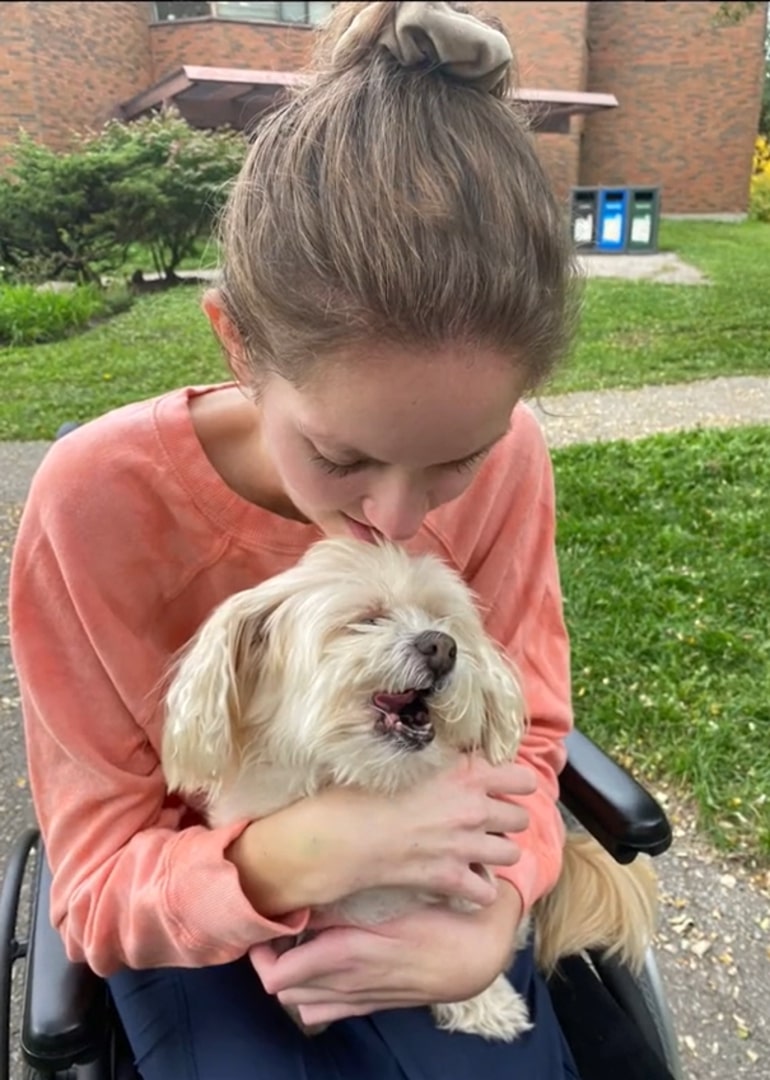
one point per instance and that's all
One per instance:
(316, 852)
(430, 956)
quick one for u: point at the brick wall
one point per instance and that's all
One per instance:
(79, 61)
(226, 43)
(18, 99)
(689, 102)
(549, 40)
(688, 91)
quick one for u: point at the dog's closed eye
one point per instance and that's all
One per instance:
(369, 620)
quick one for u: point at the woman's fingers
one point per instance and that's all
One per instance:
(304, 965)
(327, 1014)
(498, 851)
(506, 780)
(505, 817)
(323, 995)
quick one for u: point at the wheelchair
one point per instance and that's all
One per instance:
(69, 1029)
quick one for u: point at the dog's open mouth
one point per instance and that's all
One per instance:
(405, 717)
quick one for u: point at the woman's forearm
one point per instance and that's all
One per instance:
(324, 848)
(282, 864)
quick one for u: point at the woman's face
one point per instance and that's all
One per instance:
(374, 442)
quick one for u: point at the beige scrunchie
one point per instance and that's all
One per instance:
(443, 37)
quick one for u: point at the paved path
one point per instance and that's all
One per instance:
(714, 941)
(632, 414)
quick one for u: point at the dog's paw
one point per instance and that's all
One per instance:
(499, 1013)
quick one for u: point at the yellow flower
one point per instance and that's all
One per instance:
(761, 163)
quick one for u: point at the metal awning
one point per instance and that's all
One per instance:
(552, 110)
(211, 97)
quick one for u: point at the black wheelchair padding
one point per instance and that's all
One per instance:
(610, 804)
(65, 1004)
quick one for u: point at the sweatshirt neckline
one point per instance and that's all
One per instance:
(228, 511)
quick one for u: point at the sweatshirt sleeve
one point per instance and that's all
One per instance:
(516, 577)
(131, 886)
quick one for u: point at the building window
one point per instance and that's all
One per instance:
(307, 14)
(311, 14)
(174, 11)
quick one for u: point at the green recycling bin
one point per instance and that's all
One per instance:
(643, 220)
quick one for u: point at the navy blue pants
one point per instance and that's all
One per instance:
(216, 1022)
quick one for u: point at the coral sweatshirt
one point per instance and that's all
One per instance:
(128, 540)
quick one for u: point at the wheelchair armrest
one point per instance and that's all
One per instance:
(610, 803)
(65, 1005)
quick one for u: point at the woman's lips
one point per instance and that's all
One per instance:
(361, 531)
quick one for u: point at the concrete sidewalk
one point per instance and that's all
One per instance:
(632, 414)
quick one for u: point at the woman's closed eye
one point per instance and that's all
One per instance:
(471, 461)
(342, 469)
(336, 468)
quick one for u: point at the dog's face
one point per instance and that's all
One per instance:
(358, 666)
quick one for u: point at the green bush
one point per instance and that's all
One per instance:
(169, 198)
(74, 215)
(51, 207)
(29, 315)
(759, 193)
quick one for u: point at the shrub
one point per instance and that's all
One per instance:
(177, 183)
(759, 197)
(30, 315)
(156, 182)
(50, 207)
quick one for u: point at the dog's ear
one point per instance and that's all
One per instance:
(504, 707)
(214, 681)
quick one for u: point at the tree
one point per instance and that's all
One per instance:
(49, 207)
(156, 181)
(764, 115)
(734, 12)
(175, 187)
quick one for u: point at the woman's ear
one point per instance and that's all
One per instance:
(227, 334)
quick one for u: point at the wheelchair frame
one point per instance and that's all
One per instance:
(69, 1030)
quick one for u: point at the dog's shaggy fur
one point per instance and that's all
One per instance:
(363, 666)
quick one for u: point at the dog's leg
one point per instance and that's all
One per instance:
(499, 1012)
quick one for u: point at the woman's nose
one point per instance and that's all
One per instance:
(397, 510)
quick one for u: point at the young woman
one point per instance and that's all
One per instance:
(395, 278)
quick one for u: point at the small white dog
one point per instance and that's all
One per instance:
(366, 667)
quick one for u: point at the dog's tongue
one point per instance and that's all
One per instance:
(394, 703)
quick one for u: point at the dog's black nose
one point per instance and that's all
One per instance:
(439, 650)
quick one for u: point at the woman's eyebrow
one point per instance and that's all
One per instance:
(352, 454)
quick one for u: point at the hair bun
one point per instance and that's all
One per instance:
(427, 35)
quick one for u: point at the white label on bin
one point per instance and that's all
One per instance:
(612, 229)
(584, 229)
(641, 230)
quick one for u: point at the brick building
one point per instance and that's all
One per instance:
(631, 92)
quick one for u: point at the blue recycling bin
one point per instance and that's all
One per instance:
(612, 221)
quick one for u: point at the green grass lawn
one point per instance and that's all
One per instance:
(632, 333)
(663, 548)
(163, 341)
(635, 333)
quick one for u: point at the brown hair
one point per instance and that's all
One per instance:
(397, 205)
